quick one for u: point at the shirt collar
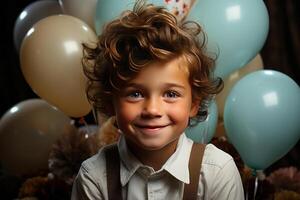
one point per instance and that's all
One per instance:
(130, 162)
(176, 165)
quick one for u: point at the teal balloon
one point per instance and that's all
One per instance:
(261, 117)
(236, 30)
(107, 11)
(204, 131)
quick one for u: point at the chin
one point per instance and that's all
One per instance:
(154, 146)
(151, 147)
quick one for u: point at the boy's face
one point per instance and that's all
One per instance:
(153, 109)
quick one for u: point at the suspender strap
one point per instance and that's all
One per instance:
(114, 187)
(191, 190)
(113, 172)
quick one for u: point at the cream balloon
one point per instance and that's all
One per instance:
(255, 64)
(82, 9)
(27, 132)
(50, 57)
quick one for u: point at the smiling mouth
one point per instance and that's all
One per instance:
(150, 129)
(150, 126)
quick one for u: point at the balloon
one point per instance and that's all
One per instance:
(236, 30)
(32, 14)
(82, 9)
(261, 117)
(27, 132)
(254, 65)
(107, 11)
(50, 57)
(204, 131)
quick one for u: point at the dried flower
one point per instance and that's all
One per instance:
(69, 152)
(286, 179)
(287, 195)
(33, 187)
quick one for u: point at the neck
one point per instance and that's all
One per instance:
(154, 158)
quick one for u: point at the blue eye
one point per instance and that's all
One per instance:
(134, 96)
(171, 94)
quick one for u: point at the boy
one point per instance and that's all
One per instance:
(151, 73)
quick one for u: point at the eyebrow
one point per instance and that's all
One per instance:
(166, 85)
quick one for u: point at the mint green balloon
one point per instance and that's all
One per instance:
(108, 10)
(262, 117)
(236, 30)
(204, 131)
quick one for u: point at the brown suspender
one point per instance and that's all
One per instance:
(113, 172)
(191, 190)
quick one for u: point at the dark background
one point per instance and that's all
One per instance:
(281, 52)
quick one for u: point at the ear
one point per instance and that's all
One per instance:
(194, 108)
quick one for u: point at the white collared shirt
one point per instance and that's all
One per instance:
(219, 176)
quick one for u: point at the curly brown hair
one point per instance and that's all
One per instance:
(142, 36)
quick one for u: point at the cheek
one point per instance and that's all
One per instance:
(125, 112)
(179, 113)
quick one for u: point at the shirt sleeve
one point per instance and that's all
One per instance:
(85, 187)
(228, 184)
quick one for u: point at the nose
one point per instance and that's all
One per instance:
(152, 108)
